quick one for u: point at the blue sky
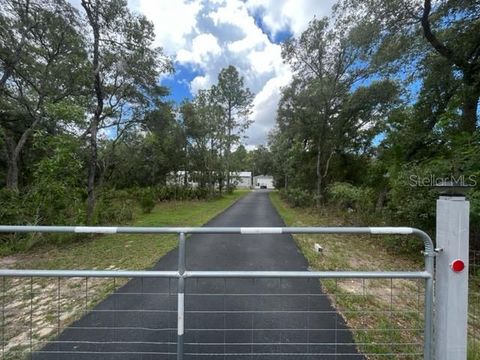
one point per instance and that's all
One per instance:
(179, 83)
(204, 36)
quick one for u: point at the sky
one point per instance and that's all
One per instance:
(204, 36)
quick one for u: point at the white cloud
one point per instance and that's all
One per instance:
(291, 15)
(203, 47)
(208, 35)
(265, 108)
(200, 82)
(174, 21)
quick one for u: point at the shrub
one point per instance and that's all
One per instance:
(147, 200)
(348, 196)
(110, 210)
(297, 197)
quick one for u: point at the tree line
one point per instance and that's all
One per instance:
(83, 116)
(384, 96)
(383, 105)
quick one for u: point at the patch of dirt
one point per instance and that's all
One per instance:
(37, 309)
(7, 262)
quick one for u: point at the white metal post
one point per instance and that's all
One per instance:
(451, 287)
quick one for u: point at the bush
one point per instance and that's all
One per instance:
(297, 197)
(147, 201)
(176, 192)
(110, 210)
(61, 201)
(347, 196)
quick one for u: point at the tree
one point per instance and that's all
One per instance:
(235, 101)
(124, 73)
(40, 42)
(260, 161)
(202, 120)
(409, 32)
(320, 108)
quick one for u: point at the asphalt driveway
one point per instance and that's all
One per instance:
(225, 318)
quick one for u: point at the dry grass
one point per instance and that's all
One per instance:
(364, 252)
(385, 315)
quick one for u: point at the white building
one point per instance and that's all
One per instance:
(263, 182)
(242, 179)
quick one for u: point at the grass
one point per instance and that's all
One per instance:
(364, 252)
(126, 251)
(385, 316)
(474, 311)
(48, 304)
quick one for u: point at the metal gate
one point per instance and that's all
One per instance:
(219, 314)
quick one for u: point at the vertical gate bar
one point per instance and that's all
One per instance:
(428, 308)
(31, 317)
(181, 296)
(58, 312)
(3, 316)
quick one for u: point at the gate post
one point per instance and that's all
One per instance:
(451, 278)
(181, 295)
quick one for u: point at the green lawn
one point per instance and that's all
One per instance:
(126, 251)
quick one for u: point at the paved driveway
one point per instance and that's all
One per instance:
(225, 318)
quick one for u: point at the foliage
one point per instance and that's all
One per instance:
(364, 144)
(350, 197)
(260, 161)
(382, 91)
(417, 34)
(297, 197)
(214, 123)
(324, 111)
(112, 210)
(39, 43)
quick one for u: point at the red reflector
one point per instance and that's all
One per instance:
(457, 265)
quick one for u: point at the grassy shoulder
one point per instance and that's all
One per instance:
(385, 316)
(364, 252)
(124, 251)
(29, 302)
(341, 252)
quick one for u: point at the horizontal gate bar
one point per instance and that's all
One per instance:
(429, 248)
(311, 274)
(217, 274)
(89, 273)
(206, 230)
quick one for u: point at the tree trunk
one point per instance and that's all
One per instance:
(227, 158)
(319, 177)
(12, 164)
(382, 196)
(13, 155)
(229, 143)
(12, 174)
(470, 106)
(94, 21)
(92, 169)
